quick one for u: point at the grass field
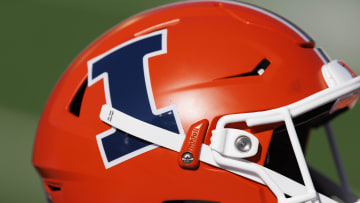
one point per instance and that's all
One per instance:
(39, 38)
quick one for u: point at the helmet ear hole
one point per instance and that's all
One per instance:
(76, 102)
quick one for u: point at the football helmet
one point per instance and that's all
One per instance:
(198, 101)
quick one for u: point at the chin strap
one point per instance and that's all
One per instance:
(173, 141)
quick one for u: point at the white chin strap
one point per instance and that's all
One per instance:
(233, 161)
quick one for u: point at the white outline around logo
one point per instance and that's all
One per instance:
(154, 110)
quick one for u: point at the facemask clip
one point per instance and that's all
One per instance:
(234, 143)
(189, 156)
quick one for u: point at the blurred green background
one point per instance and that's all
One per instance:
(39, 38)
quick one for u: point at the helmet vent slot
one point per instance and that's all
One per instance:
(54, 188)
(257, 71)
(308, 45)
(75, 104)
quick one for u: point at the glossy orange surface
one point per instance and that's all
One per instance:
(208, 43)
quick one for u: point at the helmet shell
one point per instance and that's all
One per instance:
(210, 46)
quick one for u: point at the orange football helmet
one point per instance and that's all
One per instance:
(199, 101)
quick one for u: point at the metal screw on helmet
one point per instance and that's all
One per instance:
(187, 157)
(243, 143)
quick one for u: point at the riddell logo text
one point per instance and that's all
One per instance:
(193, 138)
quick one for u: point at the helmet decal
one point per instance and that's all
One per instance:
(125, 73)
